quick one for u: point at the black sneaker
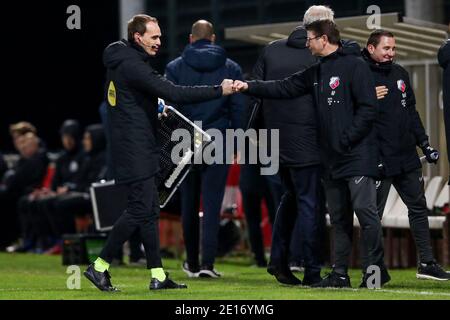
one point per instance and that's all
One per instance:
(284, 276)
(208, 272)
(432, 271)
(334, 280)
(155, 284)
(309, 280)
(191, 271)
(102, 280)
(385, 278)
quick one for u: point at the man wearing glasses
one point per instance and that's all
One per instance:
(346, 107)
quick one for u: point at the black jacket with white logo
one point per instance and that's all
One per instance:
(399, 128)
(132, 91)
(345, 100)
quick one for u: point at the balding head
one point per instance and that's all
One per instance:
(316, 13)
(202, 29)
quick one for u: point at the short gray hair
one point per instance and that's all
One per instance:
(317, 13)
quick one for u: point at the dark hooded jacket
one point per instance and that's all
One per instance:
(295, 119)
(204, 63)
(444, 61)
(69, 161)
(93, 163)
(398, 125)
(346, 105)
(132, 91)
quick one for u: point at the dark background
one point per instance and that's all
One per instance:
(51, 73)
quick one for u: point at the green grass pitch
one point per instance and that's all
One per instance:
(28, 276)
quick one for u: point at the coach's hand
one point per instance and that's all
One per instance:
(227, 87)
(240, 86)
(381, 92)
(431, 154)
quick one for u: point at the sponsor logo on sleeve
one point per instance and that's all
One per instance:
(112, 96)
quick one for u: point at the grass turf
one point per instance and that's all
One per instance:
(27, 276)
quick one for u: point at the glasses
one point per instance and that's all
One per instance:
(309, 39)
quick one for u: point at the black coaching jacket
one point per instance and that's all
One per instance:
(398, 125)
(295, 119)
(132, 91)
(346, 105)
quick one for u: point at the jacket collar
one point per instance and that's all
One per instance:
(142, 53)
(374, 65)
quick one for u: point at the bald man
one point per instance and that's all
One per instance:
(205, 63)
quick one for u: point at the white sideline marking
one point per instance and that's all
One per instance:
(425, 293)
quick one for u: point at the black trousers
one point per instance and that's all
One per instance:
(62, 209)
(142, 213)
(356, 194)
(34, 224)
(298, 207)
(251, 202)
(208, 181)
(410, 187)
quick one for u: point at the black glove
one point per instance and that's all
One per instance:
(430, 153)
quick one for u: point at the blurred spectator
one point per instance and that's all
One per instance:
(73, 198)
(23, 178)
(35, 228)
(19, 129)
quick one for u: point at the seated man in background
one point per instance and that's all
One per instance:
(22, 179)
(19, 129)
(36, 231)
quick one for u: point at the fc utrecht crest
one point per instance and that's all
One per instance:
(334, 82)
(401, 85)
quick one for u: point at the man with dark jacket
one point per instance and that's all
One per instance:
(299, 159)
(399, 131)
(31, 208)
(68, 163)
(22, 179)
(345, 101)
(74, 198)
(133, 88)
(444, 61)
(205, 63)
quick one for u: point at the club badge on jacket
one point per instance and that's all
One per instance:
(401, 85)
(334, 84)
